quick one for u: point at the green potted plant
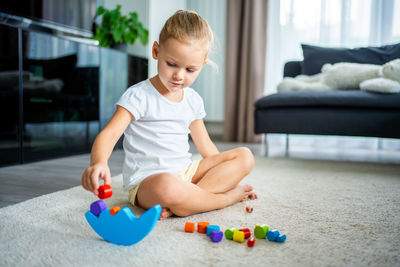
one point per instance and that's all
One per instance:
(116, 28)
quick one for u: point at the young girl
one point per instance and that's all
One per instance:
(156, 116)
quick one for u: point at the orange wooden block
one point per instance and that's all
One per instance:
(202, 227)
(114, 210)
(189, 227)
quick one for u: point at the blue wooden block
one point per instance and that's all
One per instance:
(124, 228)
(272, 235)
(211, 228)
(97, 207)
(281, 238)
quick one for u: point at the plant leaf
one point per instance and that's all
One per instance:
(144, 37)
(118, 28)
(100, 10)
(134, 17)
(117, 33)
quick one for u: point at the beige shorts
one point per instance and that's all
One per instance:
(186, 175)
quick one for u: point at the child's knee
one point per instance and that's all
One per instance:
(247, 158)
(168, 190)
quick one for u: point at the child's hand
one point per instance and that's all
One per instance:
(90, 177)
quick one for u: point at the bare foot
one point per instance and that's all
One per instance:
(165, 213)
(239, 193)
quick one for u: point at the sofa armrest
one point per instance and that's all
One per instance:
(292, 68)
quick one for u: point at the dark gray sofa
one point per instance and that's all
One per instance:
(345, 113)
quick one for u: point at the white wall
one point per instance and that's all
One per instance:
(211, 83)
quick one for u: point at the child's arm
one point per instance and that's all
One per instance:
(102, 149)
(201, 139)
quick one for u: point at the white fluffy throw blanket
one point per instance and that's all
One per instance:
(349, 76)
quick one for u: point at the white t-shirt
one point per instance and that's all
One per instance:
(157, 139)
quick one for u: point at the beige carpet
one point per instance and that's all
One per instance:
(333, 213)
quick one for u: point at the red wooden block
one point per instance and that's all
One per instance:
(250, 242)
(105, 191)
(246, 231)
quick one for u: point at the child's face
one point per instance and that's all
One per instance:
(179, 63)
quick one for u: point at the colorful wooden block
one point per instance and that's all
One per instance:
(246, 232)
(238, 236)
(202, 227)
(211, 228)
(272, 235)
(124, 228)
(261, 230)
(105, 191)
(229, 233)
(114, 210)
(249, 209)
(97, 207)
(189, 227)
(281, 238)
(250, 242)
(216, 236)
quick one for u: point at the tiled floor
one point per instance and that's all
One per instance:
(22, 182)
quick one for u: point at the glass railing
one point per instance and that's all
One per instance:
(57, 89)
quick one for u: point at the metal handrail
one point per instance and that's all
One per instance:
(43, 26)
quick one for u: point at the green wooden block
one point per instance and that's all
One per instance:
(229, 233)
(261, 230)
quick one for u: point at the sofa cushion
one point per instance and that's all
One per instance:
(292, 68)
(315, 56)
(335, 98)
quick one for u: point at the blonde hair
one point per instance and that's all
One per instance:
(186, 26)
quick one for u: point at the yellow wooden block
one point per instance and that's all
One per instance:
(238, 236)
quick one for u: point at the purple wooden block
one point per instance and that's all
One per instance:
(97, 207)
(211, 228)
(216, 236)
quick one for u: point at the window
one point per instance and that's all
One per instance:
(334, 23)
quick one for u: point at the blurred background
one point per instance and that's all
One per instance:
(58, 86)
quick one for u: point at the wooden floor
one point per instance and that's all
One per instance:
(22, 182)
